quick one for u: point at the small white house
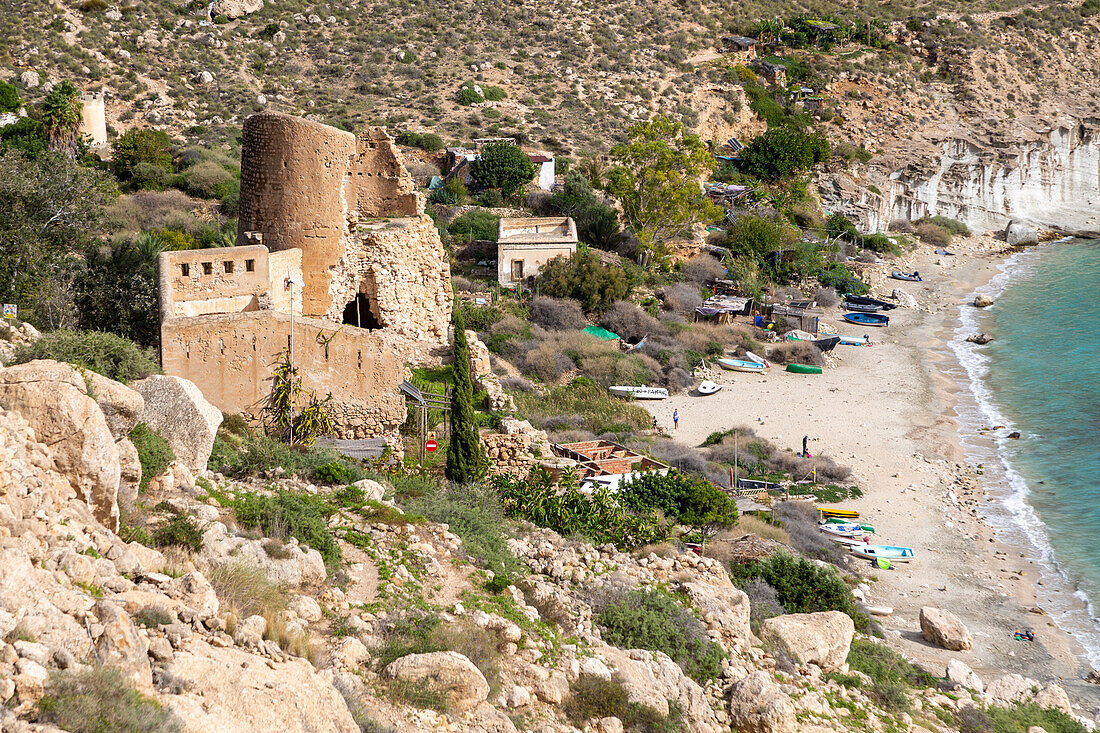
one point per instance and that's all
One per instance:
(525, 245)
(544, 165)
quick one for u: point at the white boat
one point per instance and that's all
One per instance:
(740, 365)
(855, 340)
(849, 541)
(758, 359)
(843, 530)
(707, 387)
(874, 552)
(639, 393)
(878, 610)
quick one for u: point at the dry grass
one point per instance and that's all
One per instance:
(760, 528)
(244, 590)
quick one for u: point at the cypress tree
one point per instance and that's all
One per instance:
(465, 459)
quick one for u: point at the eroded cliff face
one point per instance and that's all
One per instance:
(1051, 181)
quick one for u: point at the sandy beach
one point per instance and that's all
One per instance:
(888, 412)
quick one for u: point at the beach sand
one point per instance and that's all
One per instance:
(888, 412)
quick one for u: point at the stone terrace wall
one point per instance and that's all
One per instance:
(293, 173)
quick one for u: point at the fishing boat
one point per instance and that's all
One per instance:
(639, 393)
(945, 252)
(803, 369)
(740, 365)
(838, 520)
(854, 340)
(913, 277)
(867, 319)
(826, 344)
(758, 359)
(845, 514)
(862, 307)
(850, 541)
(707, 387)
(843, 530)
(753, 484)
(874, 552)
(868, 300)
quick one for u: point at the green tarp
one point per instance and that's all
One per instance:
(601, 333)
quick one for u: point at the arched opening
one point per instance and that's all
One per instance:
(359, 313)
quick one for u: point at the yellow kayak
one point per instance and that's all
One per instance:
(839, 513)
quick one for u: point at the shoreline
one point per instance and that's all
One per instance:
(892, 413)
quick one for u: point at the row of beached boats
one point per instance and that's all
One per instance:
(843, 527)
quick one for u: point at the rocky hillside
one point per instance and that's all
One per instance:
(383, 620)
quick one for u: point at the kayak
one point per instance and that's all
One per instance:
(803, 369)
(893, 554)
(838, 520)
(843, 530)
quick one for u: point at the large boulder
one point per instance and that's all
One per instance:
(723, 607)
(53, 398)
(122, 407)
(1014, 689)
(129, 463)
(233, 9)
(449, 673)
(654, 680)
(960, 674)
(238, 692)
(904, 299)
(1018, 233)
(288, 565)
(822, 638)
(120, 645)
(944, 628)
(983, 301)
(758, 705)
(175, 408)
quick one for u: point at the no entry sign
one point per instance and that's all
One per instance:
(430, 445)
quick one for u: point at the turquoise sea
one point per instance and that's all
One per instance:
(1041, 377)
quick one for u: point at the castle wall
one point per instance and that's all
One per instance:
(382, 186)
(293, 195)
(93, 119)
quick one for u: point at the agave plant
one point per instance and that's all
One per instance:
(61, 118)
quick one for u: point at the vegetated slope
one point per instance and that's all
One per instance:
(574, 73)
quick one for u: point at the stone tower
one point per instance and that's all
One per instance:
(93, 118)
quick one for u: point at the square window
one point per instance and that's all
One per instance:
(228, 267)
(185, 269)
(250, 265)
(208, 268)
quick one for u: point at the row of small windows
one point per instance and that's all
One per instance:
(208, 267)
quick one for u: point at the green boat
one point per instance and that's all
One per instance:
(838, 520)
(803, 369)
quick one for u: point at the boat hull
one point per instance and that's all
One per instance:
(867, 300)
(639, 393)
(739, 365)
(874, 552)
(803, 369)
(707, 388)
(854, 340)
(867, 319)
(862, 307)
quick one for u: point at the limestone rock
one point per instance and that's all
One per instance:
(1013, 688)
(53, 399)
(448, 672)
(233, 690)
(904, 299)
(944, 629)
(723, 606)
(305, 608)
(372, 490)
(653, 679)
(250, 631)
(961, 675)
(757, 705)
(983, 301)
(122, 407)
(120, 645)
(234, 9)
(293, 566)
(1053, 696)
(195, 592)
(129, 464)
(1017, 233)
(981, 339)
(29, 79)
(350, 653)
(175, 408)
(822, 638)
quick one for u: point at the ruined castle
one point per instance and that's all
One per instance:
(336, 264)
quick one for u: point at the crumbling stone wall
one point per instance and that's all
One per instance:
(382, 185)
(517, 449)
(484, 378)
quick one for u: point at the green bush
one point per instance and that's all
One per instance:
(178, 531)
(153, 451)
(298, 514)
(475, 224)
(1016, 719)
(891, 672)
(112, 356)
(504, 166)
(99, 699)
(9, 98)
(491, 198)
(27, 135)
(468, 95)
(334, 472)
(494, 94)
(116, 290)
(582, 277)
(566, 510)
(695, 502)
(801, 586)
(592, 697)
(476, 515)
(151, 617)
(208, 180)
(782, 152)
(652, 619)
(152, 147)
(425, 141)
(480, 318)
(254, 454)
(952, 226)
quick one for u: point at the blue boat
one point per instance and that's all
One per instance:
(740, 365)
(874, 552)
(867, 319)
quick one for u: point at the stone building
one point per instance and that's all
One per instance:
(525, 245)
(93, 118)
(335, 262)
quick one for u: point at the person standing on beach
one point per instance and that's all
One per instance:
(675, 419)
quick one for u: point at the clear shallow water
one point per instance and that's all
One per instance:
(1041, 377)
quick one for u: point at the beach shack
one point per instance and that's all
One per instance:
(603, 463)
(723, 308)
(800, 315)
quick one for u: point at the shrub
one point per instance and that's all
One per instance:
(9, 98)
(153, 451)
(763, 603)
(208, 180)
(891, 673)
(480, 318)
(1017, 719)
(97, 699)
(566, 510)
(652, 619)
(334, 472)
(425, 634)
(665, 493)
(782, 152)
(951, 226)
(298, 514)
(504, 166)
(796, 352)
(245, 590)
(592, 697)
(178, 531)
(112, 356)
(491, 198)
(475, 224)
(476, 515)
(152, 147)
(582, 277)
(255, 454)
(557, 314)
(93, 6)
(494, 94)
(425, 141)
(586, 403)
(702, 269)
(932, 234)
(629, 321)
(468, 94)
(682, 298)
(801, 586)
(151, 617)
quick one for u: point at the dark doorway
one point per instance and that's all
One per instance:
(358, 313)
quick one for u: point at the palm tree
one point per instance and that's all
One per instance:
(61, 118)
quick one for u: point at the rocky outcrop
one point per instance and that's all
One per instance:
(234, 9)
(724, 606)
(822, 638)
(449, 673)
(175, 408)
(122, 407)
(1013, 688)
(53, 398)
(653, 679)
(904, 299)
(960, 674)
(758, 705)
(1017, 233)
(120, 645)
(983, 301)
(944, 629)
(287, 564)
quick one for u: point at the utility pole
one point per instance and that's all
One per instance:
(290, 354)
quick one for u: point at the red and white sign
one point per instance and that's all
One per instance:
(430, 445)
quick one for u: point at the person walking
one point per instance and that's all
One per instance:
(675, 419)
